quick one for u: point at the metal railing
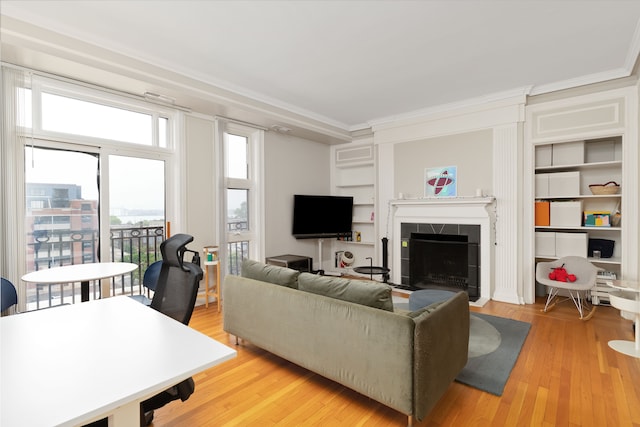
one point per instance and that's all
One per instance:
(139, 245)
(236, 253)
(52, 248)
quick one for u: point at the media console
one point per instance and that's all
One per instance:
(295, 262)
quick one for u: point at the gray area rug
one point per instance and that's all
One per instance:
(494, 346)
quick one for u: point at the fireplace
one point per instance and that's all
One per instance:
(473, 218)
(444, 261)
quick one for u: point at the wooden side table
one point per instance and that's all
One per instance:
(211, 259)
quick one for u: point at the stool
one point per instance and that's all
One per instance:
(211, 259)
(425, 297)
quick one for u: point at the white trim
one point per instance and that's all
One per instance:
(455, 210)
(506, 185)
(471, 105)
(452, 122)
(581, 81)
(92, 86)
(13, 164)
(627, 128)
(254, 184)
(634, 50)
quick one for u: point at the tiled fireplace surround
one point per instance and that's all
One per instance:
(448, 216)
(470, 231)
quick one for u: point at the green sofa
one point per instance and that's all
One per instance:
(405, 360)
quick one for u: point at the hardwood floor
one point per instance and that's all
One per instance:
(566, 375)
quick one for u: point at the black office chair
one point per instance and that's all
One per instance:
(149, 281)
(175, 296)
(8, 296)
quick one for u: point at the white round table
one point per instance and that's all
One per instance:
(82, 273)
(626, 297)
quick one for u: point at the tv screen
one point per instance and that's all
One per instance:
(321, 216)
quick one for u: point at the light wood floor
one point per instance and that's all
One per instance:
(566, 375)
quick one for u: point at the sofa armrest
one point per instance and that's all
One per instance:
(441, 347)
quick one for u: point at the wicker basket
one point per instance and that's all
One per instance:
(610, 187)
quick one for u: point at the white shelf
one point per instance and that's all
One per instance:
(580, 166)
(581, 228)
(612, 260)
(354, 242)
(582, 196)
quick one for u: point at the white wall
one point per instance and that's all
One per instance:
(292, 166)
(200, 182)
(470, 152)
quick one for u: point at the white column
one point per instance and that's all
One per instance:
(506, 182)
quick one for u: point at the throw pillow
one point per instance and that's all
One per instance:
(270, 273)
(372, 294)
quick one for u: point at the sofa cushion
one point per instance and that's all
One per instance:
(372, 294)
(270, 273)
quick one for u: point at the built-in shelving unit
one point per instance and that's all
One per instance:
(564, 172)
(593, 134)
(354, 174)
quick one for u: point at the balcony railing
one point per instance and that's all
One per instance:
(52, 248)
(138, 245)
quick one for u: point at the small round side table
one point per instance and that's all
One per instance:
(626, 297)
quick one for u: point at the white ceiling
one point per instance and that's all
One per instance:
(351, 64)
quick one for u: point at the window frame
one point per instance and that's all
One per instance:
(171, 155)
(41, 84)
(254, 183)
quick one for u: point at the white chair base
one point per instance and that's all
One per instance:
(585, 309)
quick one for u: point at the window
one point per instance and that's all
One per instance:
(65, 109)
(75, 157)
(242, 176)
(55, 228)
(60, 114)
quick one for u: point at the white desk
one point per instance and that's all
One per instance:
(82, 273)
(74, 364)
(626, 297)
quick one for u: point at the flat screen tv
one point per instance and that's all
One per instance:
(316, 217)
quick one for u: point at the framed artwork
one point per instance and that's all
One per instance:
(441, 181)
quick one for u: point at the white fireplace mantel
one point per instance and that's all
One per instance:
(452, 210)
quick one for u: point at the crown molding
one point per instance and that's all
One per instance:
(473, 105)
(43, 50)
(634, 51)
(581, 81)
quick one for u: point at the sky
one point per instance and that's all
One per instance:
(134, 183)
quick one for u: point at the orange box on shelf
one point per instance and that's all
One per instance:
(542, 215)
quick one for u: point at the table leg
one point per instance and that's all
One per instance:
(126, 415)
(84, 291)
(206, 286)
(218, 289)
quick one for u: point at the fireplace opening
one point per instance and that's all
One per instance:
(444, 261)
